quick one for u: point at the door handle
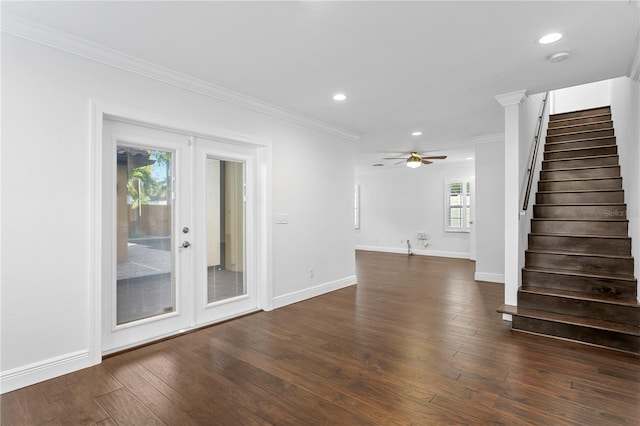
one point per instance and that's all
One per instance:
(186, 244)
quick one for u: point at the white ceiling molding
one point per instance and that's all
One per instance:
(634, 63)
(25, 29)
(511, 98)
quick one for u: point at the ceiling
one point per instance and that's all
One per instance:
(404, 66)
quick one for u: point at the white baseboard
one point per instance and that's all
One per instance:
(439, 253)
(416, 251)
(307, 293)
(43, 370)
(486, 276)
(383, 249)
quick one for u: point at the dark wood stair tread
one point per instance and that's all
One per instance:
(555, 118)
(546, 234)
(589, 157)
(573, 219)
(551, 144)
(607, 166)
(583, 113)
(570, 319)
(574, 126)
(571, 253)
(578, 179)
(580, 191)
(582, 204)
(590, 274)
(582, 148)
(604, 166)
(580, 132)
(591, 297)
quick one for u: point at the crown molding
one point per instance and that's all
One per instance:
(511, 98)
(28, 30)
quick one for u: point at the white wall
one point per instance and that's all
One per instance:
(398, 202)
(489, 223)
(585, 96)
(46, 222)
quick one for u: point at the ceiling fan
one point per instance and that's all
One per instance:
(416, 160)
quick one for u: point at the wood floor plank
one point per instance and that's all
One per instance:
(152, 398)
(195, 412)
(213, 394)
(125, 408)
(78, 409)
(14, 409)
(416, 342)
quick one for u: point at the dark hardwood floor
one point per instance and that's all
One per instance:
(418, 341)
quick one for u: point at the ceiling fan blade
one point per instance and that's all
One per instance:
(393, 158)
(426, 161)
(435, 157)
(400, 162)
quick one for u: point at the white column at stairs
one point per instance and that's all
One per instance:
(511, 103)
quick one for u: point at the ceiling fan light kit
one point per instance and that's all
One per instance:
(414, 162)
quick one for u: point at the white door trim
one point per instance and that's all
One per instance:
(263, 147)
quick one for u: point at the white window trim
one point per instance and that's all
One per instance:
(356, 207)
(465, 206)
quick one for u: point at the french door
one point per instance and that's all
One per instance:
(177, 252)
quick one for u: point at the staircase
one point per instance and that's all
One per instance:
(578, 280)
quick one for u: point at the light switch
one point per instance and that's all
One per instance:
(282, 219)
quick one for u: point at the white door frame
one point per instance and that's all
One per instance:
(263, 196)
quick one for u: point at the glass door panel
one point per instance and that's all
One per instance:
(225, 217)
(145, 284)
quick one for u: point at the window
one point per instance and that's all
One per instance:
(356, 207)
(457, 205)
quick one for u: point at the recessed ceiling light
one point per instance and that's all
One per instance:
(550, 38)
(416, 133)
(339, 97)
(469, 158)
(559, 57)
